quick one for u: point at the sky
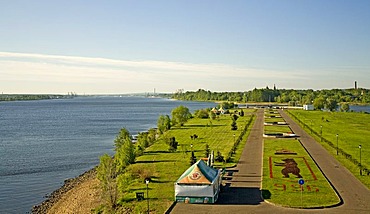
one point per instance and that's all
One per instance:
(119, 46)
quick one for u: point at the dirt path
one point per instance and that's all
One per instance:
(80, 199)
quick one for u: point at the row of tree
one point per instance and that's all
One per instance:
(290, 96)
(111, 170)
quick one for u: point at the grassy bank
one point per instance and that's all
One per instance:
(165, 167)
(352, 129)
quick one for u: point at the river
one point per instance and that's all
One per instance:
(45, 142)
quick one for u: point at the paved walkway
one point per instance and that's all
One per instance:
(242, 193)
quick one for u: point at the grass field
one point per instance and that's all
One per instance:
(165, 167)
(274, 119)
(316, 191)
(276, 129)
(353, 129)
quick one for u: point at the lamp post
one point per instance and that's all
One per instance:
(147, 192)
(321, 133)
(337, 143)
(234, 139)
(311, 126)
(360, 159)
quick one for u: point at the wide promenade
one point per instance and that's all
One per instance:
(242, 193)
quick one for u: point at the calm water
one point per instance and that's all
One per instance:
(360, 108)
(42, 143)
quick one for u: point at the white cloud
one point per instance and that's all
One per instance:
(121, 76)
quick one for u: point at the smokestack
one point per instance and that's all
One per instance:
(356, 85)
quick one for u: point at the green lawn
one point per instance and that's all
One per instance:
(274, 119)
(278, 189)
(165, 167)
(352, 129)
(276, 129)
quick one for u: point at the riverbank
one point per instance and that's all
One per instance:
(83, 188)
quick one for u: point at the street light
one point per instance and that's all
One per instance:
(311, 127)
(234, 138)
(147, 192)
(321, 133)
(359, 146)
(337, 144)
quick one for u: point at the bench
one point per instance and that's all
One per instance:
(140, 196)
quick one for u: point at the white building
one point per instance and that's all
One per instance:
(308, 107)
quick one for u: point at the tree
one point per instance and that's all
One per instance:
(143, 139)
(164, 123)
(331, 104)
(107, 173)
(219, 157)
(172, 143)
(344, 107)
(123, 136)
(193, 159)
(202, 114)
(319, 103)
(207, 151)
(234, 117)
(180, 115)
(212, 115)
(125, 150)
(233, 125)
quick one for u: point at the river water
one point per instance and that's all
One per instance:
(44, 142)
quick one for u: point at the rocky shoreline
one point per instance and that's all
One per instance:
(55, 196)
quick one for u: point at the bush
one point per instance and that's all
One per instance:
(172, 143)
(219, 157)
(202, 114)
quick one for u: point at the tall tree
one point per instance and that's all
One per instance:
(180, 115)
(125, 150)
(331, 104)
(123, 136)
(164, 123)
(319, 103)
(107, 173)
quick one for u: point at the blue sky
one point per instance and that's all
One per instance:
(135, 46)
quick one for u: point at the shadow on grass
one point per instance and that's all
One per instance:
(240, 195)
(156, 161)
(161, 182)
(156, 152)
(201, 126)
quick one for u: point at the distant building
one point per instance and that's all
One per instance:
(308, 107)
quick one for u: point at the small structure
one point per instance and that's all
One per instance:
(200, 183)
(308, 107)
(222, 111)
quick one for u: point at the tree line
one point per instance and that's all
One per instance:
(290, 96)
(20, 97)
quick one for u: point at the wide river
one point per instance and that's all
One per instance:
(42, 143)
